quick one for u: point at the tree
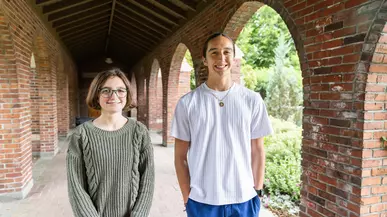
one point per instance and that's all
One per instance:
(284, 92)
(188, 57)
(259, 38)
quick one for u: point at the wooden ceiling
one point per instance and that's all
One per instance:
(121, 29)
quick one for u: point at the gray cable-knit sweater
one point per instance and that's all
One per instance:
(108, 169)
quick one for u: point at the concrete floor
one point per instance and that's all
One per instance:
(49, 198)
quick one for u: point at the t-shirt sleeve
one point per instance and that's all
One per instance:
(260, 125)
(180, 123)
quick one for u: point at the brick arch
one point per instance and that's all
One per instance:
(44, 101)
(373, 61)
(155, 99)
(62, 96)
(15, 132)
(172, 91)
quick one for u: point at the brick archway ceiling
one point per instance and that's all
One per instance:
(122, 29)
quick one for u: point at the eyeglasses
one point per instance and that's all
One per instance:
(107, 92)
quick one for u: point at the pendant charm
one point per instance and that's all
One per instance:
(221, 104)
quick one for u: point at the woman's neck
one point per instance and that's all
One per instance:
(110, 122)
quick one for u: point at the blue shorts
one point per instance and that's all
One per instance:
(246, 209)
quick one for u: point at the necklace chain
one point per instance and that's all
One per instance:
(221, 103)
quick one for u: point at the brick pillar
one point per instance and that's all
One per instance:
(133, 90)
(15, 133)
(236, 71)
(173, 92)
(62, 101)
(46, 83)
(155, 99)
(141, 100)
(73, 96)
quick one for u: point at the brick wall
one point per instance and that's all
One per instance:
(26, 95)
(344, 87)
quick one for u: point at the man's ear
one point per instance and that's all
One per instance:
(204, 61)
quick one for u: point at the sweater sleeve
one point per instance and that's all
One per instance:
(146, 169)
(80, 200)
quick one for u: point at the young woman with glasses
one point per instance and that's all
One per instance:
(110, 167)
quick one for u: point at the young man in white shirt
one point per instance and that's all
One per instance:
(220, 125)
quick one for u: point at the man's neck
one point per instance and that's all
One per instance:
(219, 84)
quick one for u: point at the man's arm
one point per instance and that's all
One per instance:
(258, 159)
(181, 166)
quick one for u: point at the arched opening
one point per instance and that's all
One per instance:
(179, 83)
(34, 96)
(155, 111)
(44, 100)
(267, 62)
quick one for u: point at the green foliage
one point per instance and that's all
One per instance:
(260, 36)
(283, 160)
(188, 57)
(284, 89)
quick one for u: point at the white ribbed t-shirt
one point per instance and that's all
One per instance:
(219, 157)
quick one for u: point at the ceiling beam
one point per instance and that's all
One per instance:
(148, 32)
(100, 30)
(170, 8)
(134, 31)
(110, 24)
(130, 38)
(81, 25)
(130, 34)
(80, 31)
(133, 38)
(81, 41)
(96, 12)
(62, 5)
(84, 43)
(127, 41)
(150, 8)
(45, 2)
(149, 17)
(77, 10)
(85, 39)
(189, 4)
(121, 52)
(135, 19)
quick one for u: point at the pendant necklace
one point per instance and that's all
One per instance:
(221, 103)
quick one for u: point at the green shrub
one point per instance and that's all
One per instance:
(283, 160)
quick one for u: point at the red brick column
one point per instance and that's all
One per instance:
(133, 89)
(47, 112)
(73, 96)
(173, 92)
(155, 98)
(141, 99)
(15, 134)
(62, 99)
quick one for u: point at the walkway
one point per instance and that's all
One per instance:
(49, 195)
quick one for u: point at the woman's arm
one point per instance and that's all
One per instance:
(80, 200)
(147, 178)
